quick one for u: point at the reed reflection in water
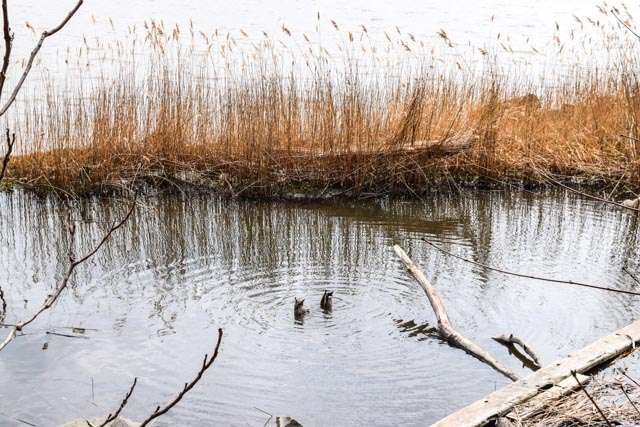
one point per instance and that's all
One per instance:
(184, 265)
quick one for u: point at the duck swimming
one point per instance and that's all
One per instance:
(326, 303)
(298, 309)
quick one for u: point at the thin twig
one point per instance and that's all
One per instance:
(11, 140)
(58, 334)
(187, 386)
(624, 23)
(527, 276)
(8, 43)
(631, 274)
(33, 55)
(52, 298)
(115, 415)
(629, 377)
(573, 373)
(628, 398)
(4, 305)
(590, 196)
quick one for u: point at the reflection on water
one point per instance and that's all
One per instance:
(151, 301)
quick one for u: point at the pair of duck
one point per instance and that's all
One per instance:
(326, 304)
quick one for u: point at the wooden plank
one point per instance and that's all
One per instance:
(502, 401)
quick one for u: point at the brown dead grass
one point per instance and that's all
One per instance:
(258, 129)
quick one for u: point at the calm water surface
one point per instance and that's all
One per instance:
(183, 266)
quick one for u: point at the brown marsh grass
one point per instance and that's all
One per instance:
(261, 125)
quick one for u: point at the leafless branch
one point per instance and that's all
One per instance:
(8, 43)
(629, 398)
(4, 305)
(34, 53)
(187, 386)
(573, 373)
(112, 417)
(11, 140)
(631, 275)
(73, 263)
(625, 24)
(587, 195)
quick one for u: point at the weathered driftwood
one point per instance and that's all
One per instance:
(502, 401)
(444, 325)
(512, 339)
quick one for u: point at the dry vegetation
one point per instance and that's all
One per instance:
(615, 394)
(259, 125)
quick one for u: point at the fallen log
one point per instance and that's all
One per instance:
(582, 361)
(445, 328)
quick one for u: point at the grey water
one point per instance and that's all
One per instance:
(151, 301)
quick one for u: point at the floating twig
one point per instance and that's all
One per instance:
(66, 335)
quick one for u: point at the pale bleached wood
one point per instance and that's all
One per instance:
(502, 401)
(444, 325)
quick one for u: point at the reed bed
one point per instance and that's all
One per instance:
(259, 117)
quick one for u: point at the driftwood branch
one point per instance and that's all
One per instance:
(116, 414)
(206, 364)
(73, 263)
(34, 53)
(511, 339)
(444, 325)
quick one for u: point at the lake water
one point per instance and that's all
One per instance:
(152, 300)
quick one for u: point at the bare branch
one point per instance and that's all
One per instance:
(573, 373)
(625, 24)
(112, 417)
(590, 196)
(631, 275)
(4, 305)
(53, 297)
(34, 53)
(11, 140)
(187, 386)
(8, 43)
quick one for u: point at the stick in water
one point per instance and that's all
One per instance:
(444, 325)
